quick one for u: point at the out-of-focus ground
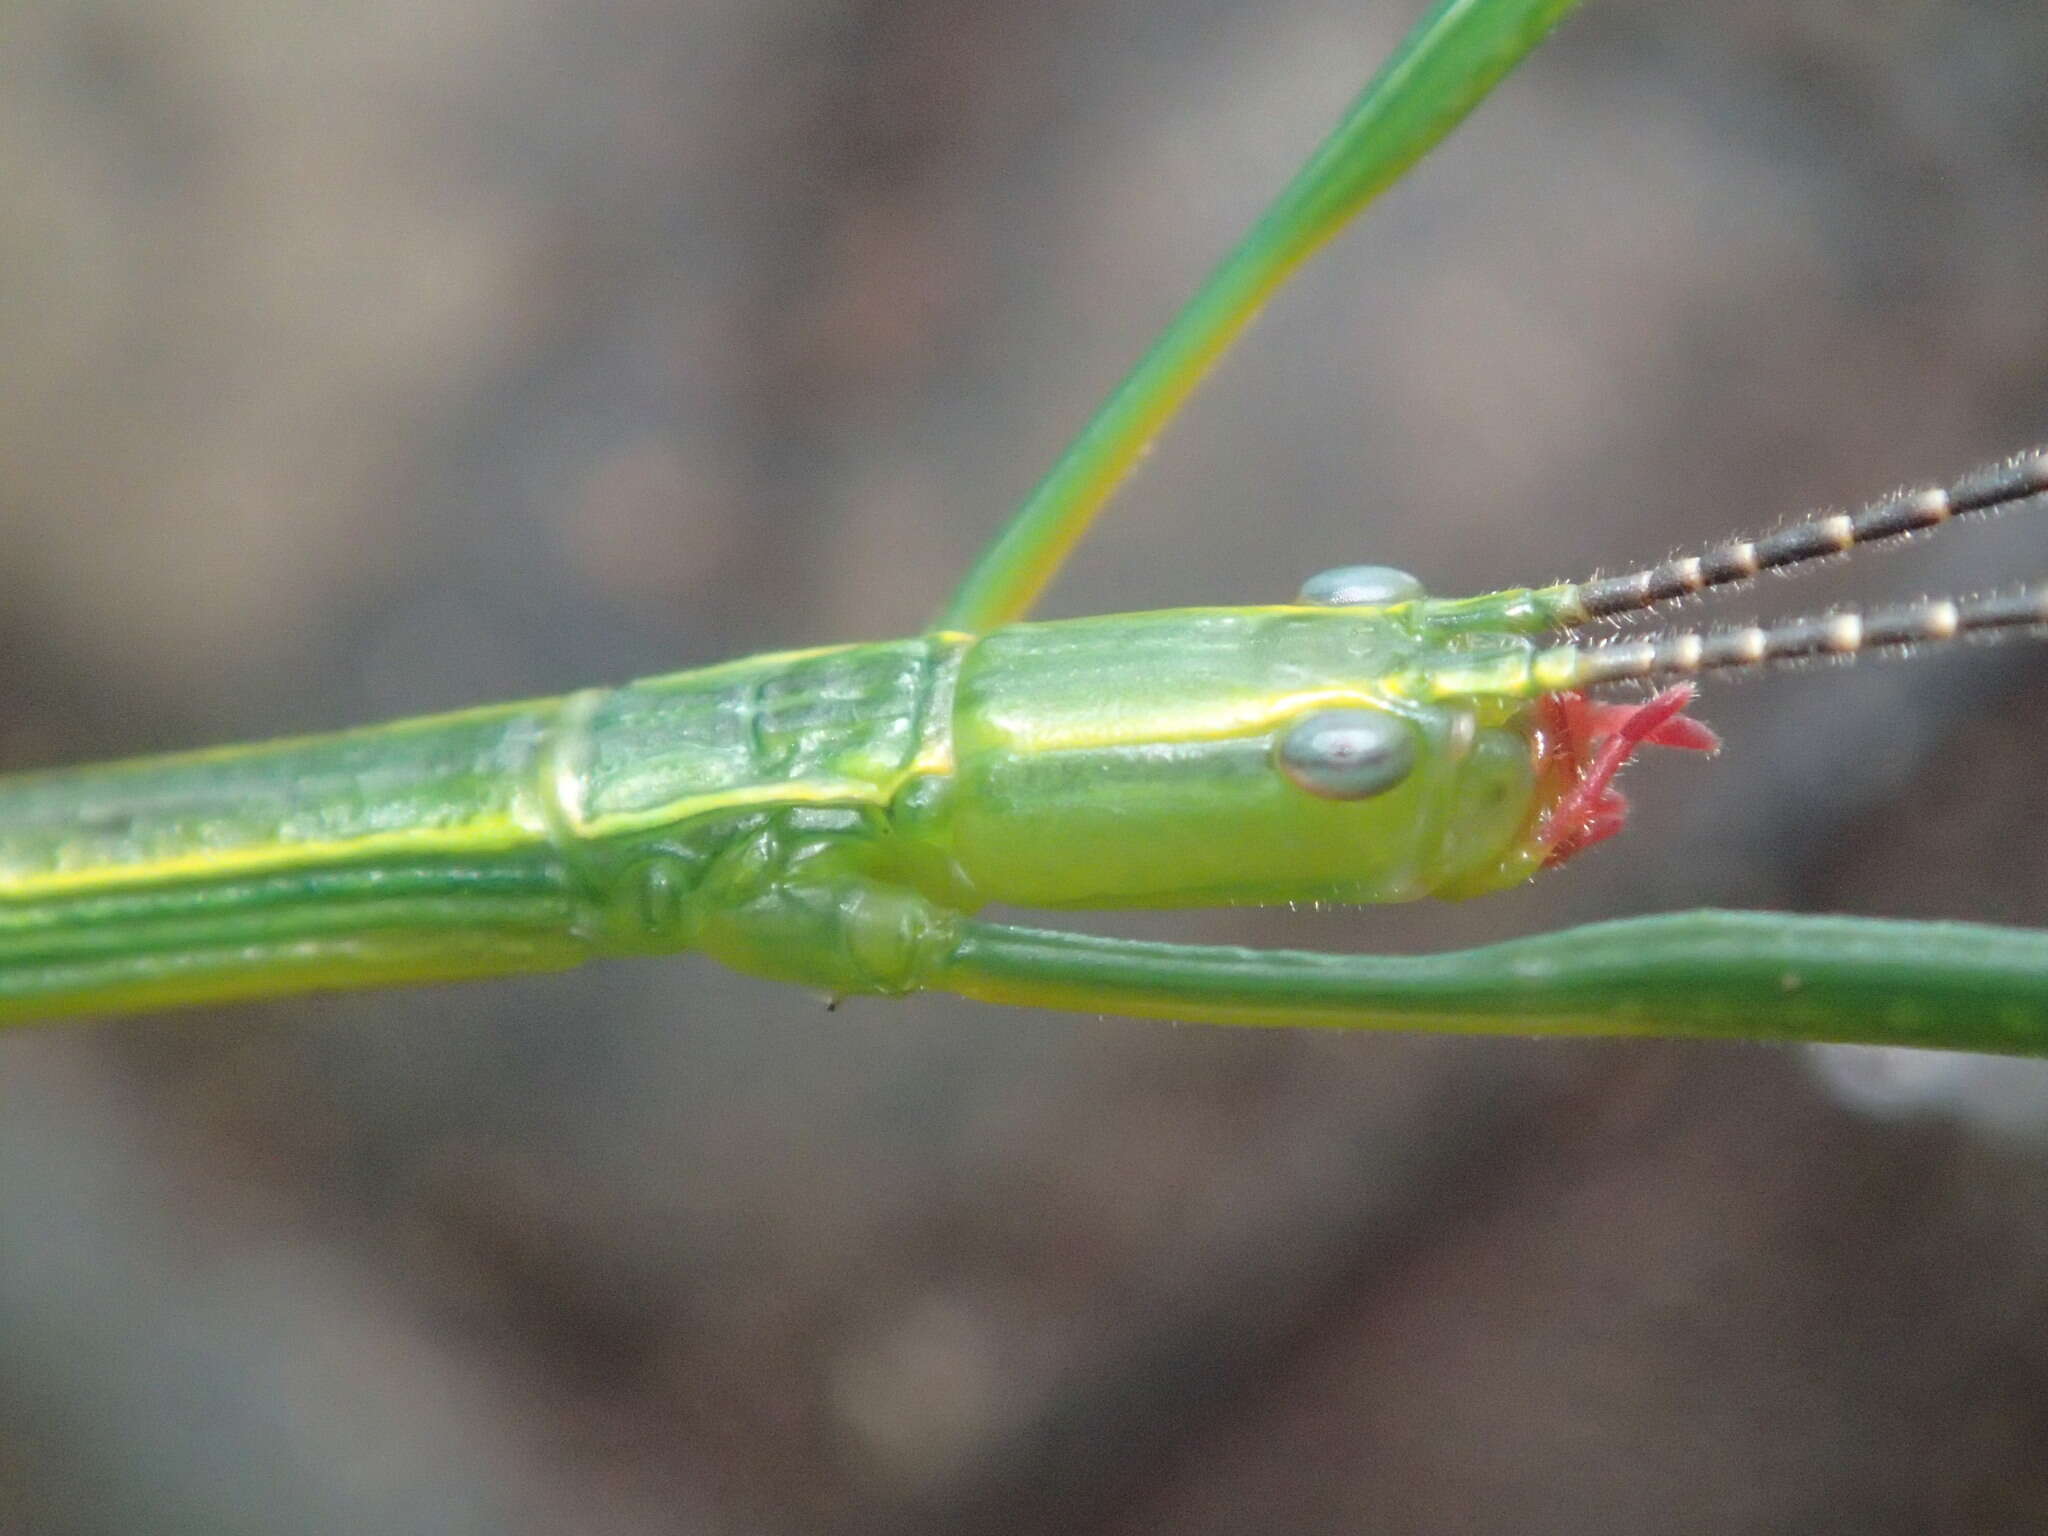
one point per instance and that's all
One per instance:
(359, 360)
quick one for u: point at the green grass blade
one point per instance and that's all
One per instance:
(1455, 55)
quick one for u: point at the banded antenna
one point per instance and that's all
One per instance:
(1990, 489)
(1842, 633)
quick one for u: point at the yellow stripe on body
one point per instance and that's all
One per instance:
(540, 806)
(486, 835)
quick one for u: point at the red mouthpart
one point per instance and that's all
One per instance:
(1590, 741)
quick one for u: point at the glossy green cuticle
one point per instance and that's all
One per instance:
(834, 817)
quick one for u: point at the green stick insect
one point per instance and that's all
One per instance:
(835, 817)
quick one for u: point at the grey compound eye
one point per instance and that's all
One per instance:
(1360, 586)
(1347, 754)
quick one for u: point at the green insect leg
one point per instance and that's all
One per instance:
(1706, 973)
(1455, 55)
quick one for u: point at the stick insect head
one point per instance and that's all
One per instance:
(1369, 743)
(1233, 755)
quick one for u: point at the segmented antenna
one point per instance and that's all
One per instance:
(1845, 632)
(1988, 489)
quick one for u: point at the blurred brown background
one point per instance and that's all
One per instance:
(378, 358)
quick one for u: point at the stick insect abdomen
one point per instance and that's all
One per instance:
(520, 837)
(412, 851)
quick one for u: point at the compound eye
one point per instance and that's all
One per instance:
(1360, 586)
(1347, 754)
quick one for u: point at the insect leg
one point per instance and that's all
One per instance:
(1456, 54)
(1757, 975)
